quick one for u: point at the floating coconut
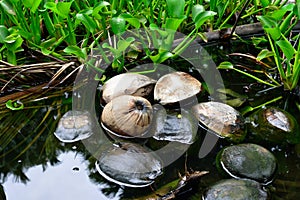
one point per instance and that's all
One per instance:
(221, 119)
(175, 87)
(248, 161)
(127, 84)
(232, 189)
(127, 116)
(129, 164)
(274, 125)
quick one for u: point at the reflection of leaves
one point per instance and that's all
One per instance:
(231, 97)
(27, 136)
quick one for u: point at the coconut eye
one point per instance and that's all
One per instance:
(139, 105)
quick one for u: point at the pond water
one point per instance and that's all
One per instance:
(36, 165)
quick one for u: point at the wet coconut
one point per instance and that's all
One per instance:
(129, 164)
(221, 119)
(127, 84)
(175, 87)
(232, 189)
(274, 125)
(127, 116)
(249, 161)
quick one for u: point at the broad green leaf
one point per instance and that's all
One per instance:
(225, 65)
(115, 52)
(118, 25)
(131, 20)
(174, 23)
(98, 8)
(14, 105)
(196, 10)
(287, 48)
(175, 8)
(280, 13)
(203, 17)
(162, 33)
(267, 21)
(13, 42)
(274, 32)
(265, 53)
(75, 50)
(87, 21)
(3, 33)
(32, 4)
(124, 44)
(63, 8)
(8, 7)
(265, 3)
(51, 6)
(161, 57)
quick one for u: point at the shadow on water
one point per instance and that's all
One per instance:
(30, 153)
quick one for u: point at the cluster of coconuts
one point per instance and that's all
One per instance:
(129, 114)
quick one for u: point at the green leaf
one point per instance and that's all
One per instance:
(265, 53)
(267, 21)
(275, 33)
(175, 8)
(87, 21)
(225, 65)
(14, 105)
(124, 44)
(161, 57)
(8, 7)
(203, 17)
(76, 51)
(98, 9)
(280, 13)
(297, 9)
(3, 33)
(13, 42)
(62, 9)
(174, 23)
(32, 4)
(131, 20)
(265, 3)
(287, 48)
(118, 25)
(196, 10)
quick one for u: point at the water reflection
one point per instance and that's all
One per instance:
(67, 180)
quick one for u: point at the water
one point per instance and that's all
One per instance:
(35, 165)
(66, 180)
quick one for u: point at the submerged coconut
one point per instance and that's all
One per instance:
(74, 126)
(127, 116)
(129, 164)
(175, 87)
(172, 125)
(127, 84)
(274, 125)
(222, 119)
(248, 161)
(232, 189)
